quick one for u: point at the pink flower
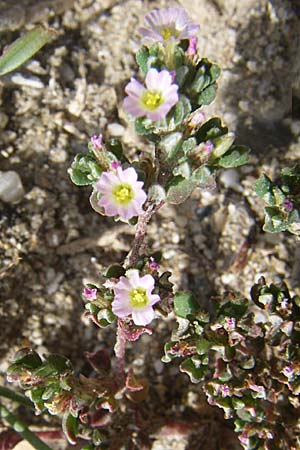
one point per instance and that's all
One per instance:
(90, 294)
(121, 194)
(153, 101)
(153, 265)
(133, 296)
(169, 24)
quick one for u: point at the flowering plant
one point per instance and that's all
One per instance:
(219, 347)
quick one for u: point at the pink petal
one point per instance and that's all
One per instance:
(134, 88)
(128, 176)
(153, 298)
(152, 80)
(147, 281)
(165, 80)
(134, 278)
(143, 317)
(120, 309)
(132, 106)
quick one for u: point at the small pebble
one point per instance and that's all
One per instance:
(33, 82)
(115, 129)
(11, 187)
(230, 179)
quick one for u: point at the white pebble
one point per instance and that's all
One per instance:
(11, 187)
(115, 129)
(32, 82)
(230, 179)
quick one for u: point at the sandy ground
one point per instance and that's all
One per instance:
(51, 242)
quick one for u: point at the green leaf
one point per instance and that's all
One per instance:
(222, 144)
(179, 189)
(27, 358)
(70, 427)
(84, 170)
(210, 130)
(180, 111)
(202, 346)
(60, 363)
(171, 145)
(274, 221)
(194, 369)
(115, 271)
(143, 126)
(24, 48)
(115, 147)
(169, 352)
(142, 57)
(188, 145)
(201, 81)
(181, 75)
(263, 188)
(215, 72)
(105, 317)
(235, 157)
(185, 304)
(204, 176)
(207, 95)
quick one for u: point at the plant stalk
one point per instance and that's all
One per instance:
(22, 429)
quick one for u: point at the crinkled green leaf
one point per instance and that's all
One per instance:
(195, 370)
(202, 346)
(24, 48)
(84, 170)
(235, 157)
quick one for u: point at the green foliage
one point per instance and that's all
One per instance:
(185, 304)
(202, 89)
(282, 211)
(84, 170)
(246, 355)
(24, 48)
(53, 386)
(235, 157)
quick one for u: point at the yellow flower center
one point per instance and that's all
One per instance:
(123, 194)
(138, 298)
(152, 100)
(167, 33)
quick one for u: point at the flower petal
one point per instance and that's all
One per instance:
(143, 317)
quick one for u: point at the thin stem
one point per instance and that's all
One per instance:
(16, 397)
(22, 429)
(141, 231)
(120, 347)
